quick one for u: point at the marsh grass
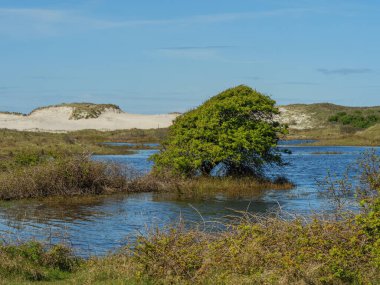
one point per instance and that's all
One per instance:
(40, 174)
(206, 187)
(74, 175)
(92, 141)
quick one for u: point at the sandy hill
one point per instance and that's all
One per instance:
(327, 118)
(79, 116)
(323, 115)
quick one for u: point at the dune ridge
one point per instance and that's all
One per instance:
(60, 119)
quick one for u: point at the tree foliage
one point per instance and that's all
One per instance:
(236, 127)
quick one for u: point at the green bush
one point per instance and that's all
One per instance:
(356, 119)
(237, 128)
(32, 261)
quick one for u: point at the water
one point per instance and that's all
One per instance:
(295, 142)
(142, 145)
(96, 225)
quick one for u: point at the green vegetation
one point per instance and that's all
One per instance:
(319, 114)
(84, 110)
(335, 136)
(357, 119)
(334, 125)
(343, 249)
(12, 113)
(33, 262)
(236, 128)
(45, 164)
(180, 188)
(13, 142)
(55, 164)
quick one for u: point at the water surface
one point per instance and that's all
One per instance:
(96, 225)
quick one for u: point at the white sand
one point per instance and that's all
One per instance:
(295, 119)
(57, 119)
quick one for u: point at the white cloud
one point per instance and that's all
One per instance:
(344, 71)
(47, 22)
(44, 15)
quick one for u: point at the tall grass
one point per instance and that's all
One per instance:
(74, 175)
(206, 187)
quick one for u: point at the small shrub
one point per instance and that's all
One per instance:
(32, 261)
(61, 257)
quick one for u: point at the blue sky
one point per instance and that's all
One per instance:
(163, 56)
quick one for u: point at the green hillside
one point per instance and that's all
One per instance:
(333, 124)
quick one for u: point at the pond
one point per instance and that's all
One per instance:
(96, 225)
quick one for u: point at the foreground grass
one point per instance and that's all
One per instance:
(254, 251)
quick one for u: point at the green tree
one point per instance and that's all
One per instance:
(237, 127)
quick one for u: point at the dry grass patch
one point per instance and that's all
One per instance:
(204, 187)
(75, 175)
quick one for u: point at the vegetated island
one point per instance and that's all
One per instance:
(37, 164)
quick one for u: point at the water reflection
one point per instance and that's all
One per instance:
(95, 226)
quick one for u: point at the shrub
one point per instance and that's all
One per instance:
(73, 175)
(32, 261)
(236, 128)
(356, 119)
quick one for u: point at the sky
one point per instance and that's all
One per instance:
(150, 56)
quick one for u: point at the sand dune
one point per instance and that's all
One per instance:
(62, 118)
(58, 119)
